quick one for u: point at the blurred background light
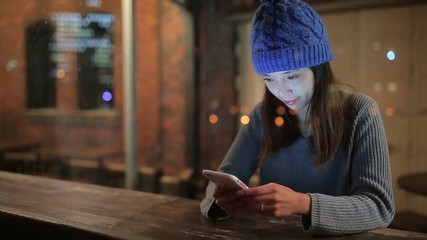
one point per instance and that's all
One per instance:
(213, 118)
(107, 96)
(391, 55)
(280, 110)
(279, 121)
(389, 112)
(244, 119)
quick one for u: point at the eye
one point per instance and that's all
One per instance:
(292, 77)
(268, 79)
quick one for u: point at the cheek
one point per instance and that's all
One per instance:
(272, 88)
(308, 88)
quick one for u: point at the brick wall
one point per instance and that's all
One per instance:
(162, 52)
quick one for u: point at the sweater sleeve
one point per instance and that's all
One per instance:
(369, 203)
(241, 160)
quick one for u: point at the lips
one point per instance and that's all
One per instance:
(291, 102)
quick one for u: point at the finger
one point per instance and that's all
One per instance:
(262, 208)
(267, 198)
(258, 206)
(261, 190)
(225, 198)
(219, 190)
(234, 206)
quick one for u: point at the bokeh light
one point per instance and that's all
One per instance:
(376, 46)
(234, 110)
(391, 55)
(213, 118)
(389, 112)
(293, 112)
(392, 86)
(244, 119)
(60, 74)
(280, 110)
(377, 87)
(279, 121)
(107, 96)
(244, 110)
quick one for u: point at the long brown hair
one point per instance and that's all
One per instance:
(325, 115)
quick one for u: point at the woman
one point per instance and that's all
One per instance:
(321, 151)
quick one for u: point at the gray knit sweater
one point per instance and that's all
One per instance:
(351, 193)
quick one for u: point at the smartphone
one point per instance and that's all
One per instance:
(229, 181)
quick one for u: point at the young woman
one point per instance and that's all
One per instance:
(321, 151)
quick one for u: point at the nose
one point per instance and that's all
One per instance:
(282, 93)
(286, 88)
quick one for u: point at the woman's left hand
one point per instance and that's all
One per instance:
(276, 200)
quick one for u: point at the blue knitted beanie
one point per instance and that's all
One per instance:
(288, 35)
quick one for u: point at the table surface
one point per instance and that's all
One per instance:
(55, 209)
(11, 145)
(92, 153)
(414, 182)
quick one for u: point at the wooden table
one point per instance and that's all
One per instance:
(414, 182)
(83, 152)
(83, 157)
(16, 145)
(39, 208)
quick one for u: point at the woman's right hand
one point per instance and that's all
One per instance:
(228, 200)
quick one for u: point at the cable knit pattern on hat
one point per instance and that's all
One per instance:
(287, 35)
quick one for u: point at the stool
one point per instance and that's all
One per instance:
(149, 178)
(22, 162)
(82, 170)
(410, 221)
(114, 175)
(177, 185)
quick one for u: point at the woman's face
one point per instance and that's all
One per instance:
(294, 88)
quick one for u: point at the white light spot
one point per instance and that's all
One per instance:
(391, 55)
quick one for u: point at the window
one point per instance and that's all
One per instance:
(79, 49)
(40, 81)
(90, 38)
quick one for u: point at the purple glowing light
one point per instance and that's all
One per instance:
(107, 96)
